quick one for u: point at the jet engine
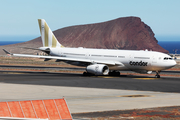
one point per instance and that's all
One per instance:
(98, 69)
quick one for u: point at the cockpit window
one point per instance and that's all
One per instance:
(166, 58)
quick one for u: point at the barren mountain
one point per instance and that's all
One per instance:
(128, 33)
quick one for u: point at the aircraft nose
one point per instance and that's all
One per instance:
(173, 63)
(170, 64)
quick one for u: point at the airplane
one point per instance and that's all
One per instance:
(100, 61)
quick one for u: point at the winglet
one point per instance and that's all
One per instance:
(8, 53)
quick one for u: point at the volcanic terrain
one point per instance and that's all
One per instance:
(128, 33)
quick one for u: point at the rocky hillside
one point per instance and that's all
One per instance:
(128, 33)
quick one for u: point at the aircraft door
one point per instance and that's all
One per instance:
(154, 59)
(130, 57)
(87, 55)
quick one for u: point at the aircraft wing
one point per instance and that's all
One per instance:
(65, 58)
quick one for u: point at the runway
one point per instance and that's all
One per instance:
(124, 82)
(91, 93)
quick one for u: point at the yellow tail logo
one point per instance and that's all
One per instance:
(48, 38)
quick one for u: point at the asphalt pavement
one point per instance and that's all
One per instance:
(91, 93)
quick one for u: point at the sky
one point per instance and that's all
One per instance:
(19, 17)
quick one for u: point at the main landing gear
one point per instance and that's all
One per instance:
(157, 74)
(114, 73)
(87, 74)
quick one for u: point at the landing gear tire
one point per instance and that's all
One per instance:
(114, 73)
(87, 74)
(157, 74)
(84, 73)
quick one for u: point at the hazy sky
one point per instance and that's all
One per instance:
(19, 17)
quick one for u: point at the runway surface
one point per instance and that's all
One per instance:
(91, 93)
(124, 82)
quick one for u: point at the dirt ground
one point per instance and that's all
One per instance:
(160, 113)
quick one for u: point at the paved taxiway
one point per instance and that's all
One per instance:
(88, 94)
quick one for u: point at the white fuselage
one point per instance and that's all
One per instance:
(136, 60)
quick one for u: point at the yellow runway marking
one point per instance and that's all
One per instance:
(118, 77)
(105, 76)
(147, 78)
(13, 73)
(108, 77)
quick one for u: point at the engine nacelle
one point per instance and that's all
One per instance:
(98, 69)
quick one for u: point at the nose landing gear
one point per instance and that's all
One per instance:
(157, 74)
(114, 73)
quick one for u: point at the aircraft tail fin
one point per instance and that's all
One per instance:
(47, 36)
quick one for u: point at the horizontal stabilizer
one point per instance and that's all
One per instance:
(46, 50)
(30, 48)
(35, 49)
(8, 53)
